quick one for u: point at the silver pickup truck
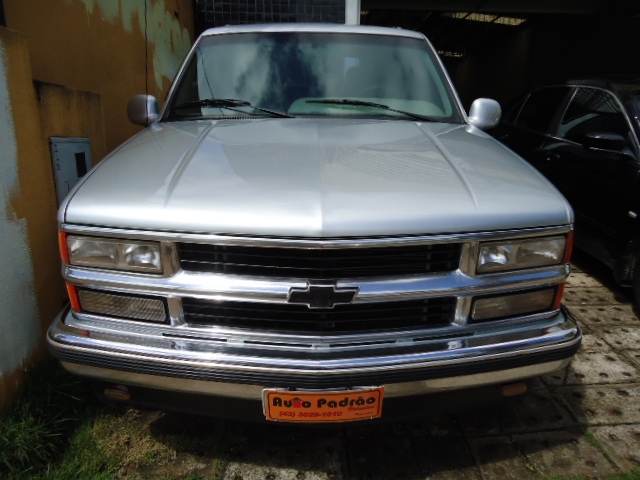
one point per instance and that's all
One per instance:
(312, 229)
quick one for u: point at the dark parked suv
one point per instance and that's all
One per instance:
(583, 136)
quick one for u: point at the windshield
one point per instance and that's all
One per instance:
(249, 74)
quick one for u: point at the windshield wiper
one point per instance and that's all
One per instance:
(347, 101)
(231, 104)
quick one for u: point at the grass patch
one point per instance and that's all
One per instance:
(56, 429)
(43, 421)
(633, 475)
(33, 429)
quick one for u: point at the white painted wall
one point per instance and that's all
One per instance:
(19, 322)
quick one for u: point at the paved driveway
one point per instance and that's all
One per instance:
(584, 421)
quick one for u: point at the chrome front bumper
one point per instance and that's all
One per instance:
(491, 354)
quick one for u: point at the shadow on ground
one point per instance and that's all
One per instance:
(583, 421)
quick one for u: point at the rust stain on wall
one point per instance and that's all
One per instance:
(31, 277)
(32, 199)
(71, 69)
(66, 112)
(101, 46)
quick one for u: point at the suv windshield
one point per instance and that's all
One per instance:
(273, 74)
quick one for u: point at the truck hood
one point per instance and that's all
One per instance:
(316, 178)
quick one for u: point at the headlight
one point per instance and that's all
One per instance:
(524, 253)
(114, 254)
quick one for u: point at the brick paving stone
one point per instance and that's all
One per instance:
(603, 404)
(594, 296)
(581, 279)
(623, 337)
(634, 356)
(536, 411)
(499, 458)
(537, 383)
(594, 343)
(595, 368)
(251, 471)
(582, 263)
(605, 315)
(585, 328)
(445, 458)
(280, 458)
(438, 426)
(563, 454)
(559, 377)
(622, 444)
(576, 268)
(381, 456)
(363, 429)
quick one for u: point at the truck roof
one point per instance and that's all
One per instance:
(313, 27)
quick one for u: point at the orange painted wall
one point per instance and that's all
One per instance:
(100, 46)
(70, 68)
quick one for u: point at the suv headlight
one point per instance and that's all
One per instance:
(522, 253)
(112, 254)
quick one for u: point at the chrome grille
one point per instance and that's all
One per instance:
(353, 317)
(320, 263)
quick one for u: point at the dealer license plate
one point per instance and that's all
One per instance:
(322, 406)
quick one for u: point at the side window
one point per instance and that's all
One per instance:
(541, 107)
(592, 110)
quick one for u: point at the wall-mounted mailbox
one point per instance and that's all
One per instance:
(71, 161)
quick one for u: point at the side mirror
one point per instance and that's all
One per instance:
(143, 110)
(604, 142)
(485, 113)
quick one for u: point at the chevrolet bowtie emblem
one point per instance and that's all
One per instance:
(321, 296)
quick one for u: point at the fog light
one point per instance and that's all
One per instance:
(117, 392)
(122, 306)
(494, 308)
(514, 389)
